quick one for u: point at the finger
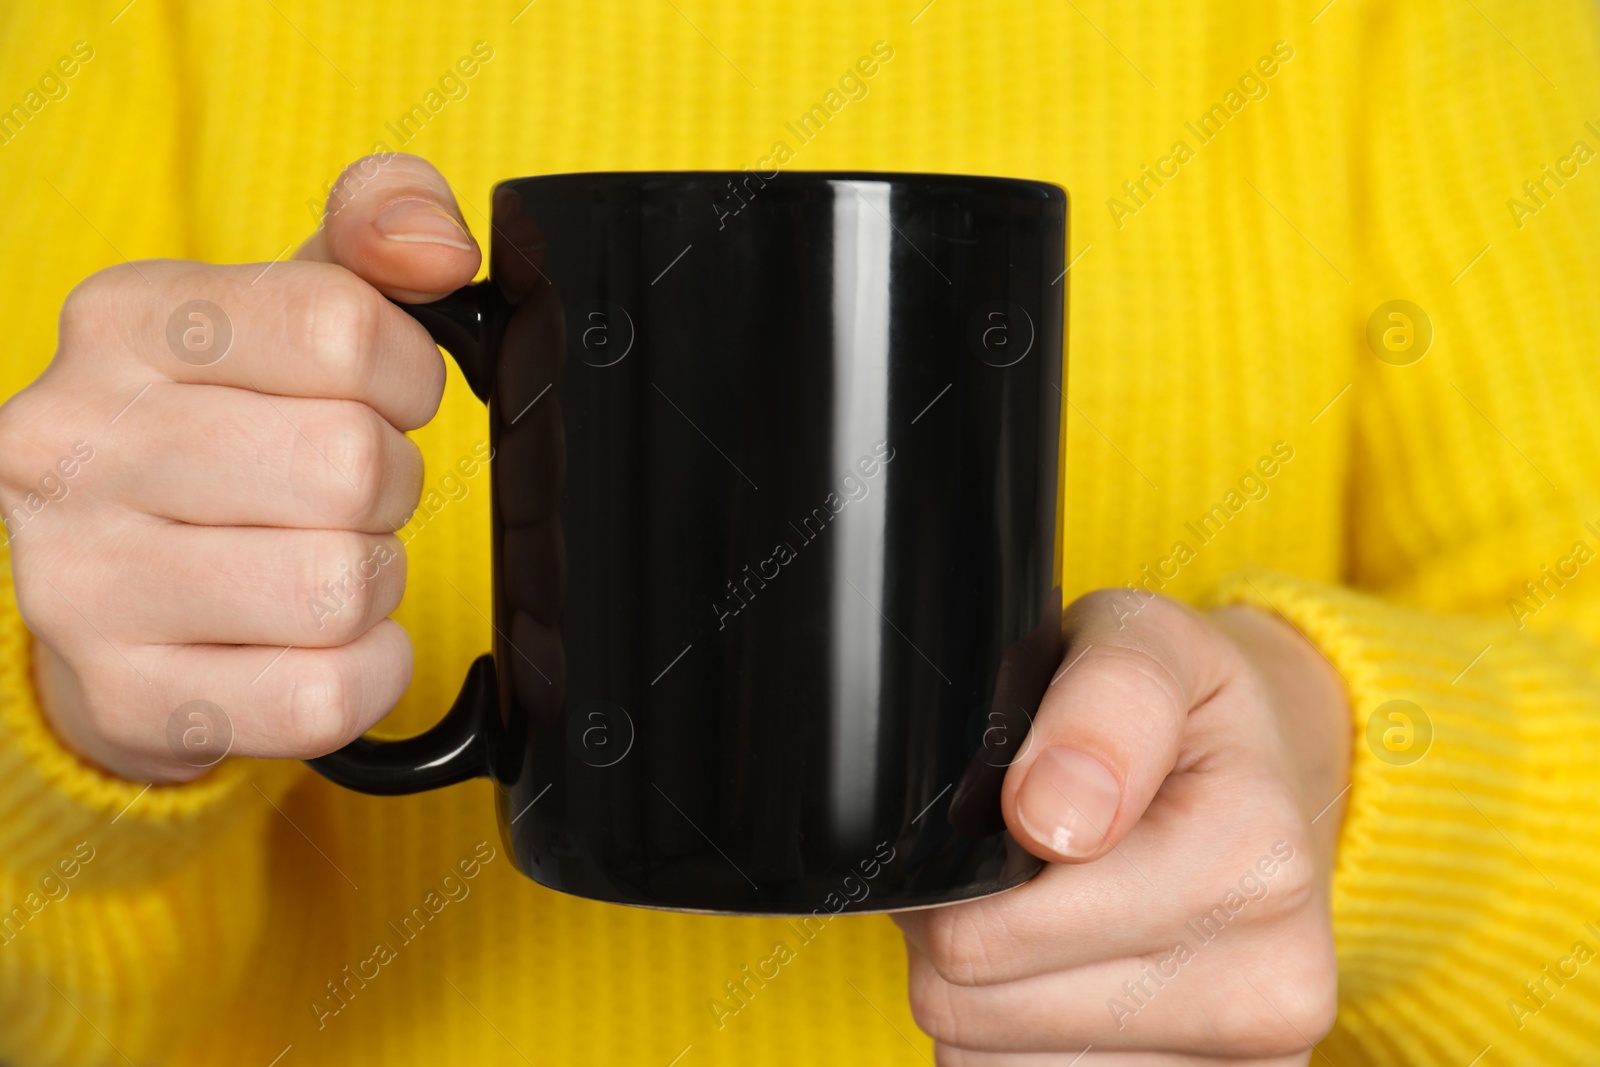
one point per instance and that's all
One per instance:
(276, 703)
(392, 220)
(292, 329)
(250, 585)
(1025, 666)
(288, 703)
(1262, 993)
(1109, 727)
(230, 457)
(1159, 887)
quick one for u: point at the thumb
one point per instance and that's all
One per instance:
(1110, 725)
(392, 220)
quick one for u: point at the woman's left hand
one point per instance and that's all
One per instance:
(1184, 778)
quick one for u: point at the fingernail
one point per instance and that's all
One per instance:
(422, 221)
(1067, 801)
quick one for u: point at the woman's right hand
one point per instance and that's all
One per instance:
(202, 488)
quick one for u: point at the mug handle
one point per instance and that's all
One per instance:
(458, 746)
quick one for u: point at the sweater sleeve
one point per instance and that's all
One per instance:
(95, 870)
(128, 914)
(1466, 898)
(1465, 906)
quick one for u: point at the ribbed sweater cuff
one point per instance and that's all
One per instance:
(51, 800)
(1449, 843)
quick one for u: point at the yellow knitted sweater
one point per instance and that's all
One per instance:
(1250, 184)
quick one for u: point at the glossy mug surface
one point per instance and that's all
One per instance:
(774, 530)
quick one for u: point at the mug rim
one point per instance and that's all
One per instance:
(689, 179)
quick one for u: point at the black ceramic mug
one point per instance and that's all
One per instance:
(775, 534)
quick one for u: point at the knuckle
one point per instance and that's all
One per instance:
(105, 715)
(933, 1007)
(1145, 617)
(1143, 676)
(353, 447)
(98, 710)
(38, 613)
(41, 612)
(1311, 1016)
(1289, 1012)
(1106, 607)
(47, 586)
(23, 422)
(1097, 601)
(959, 946)
(353, 179)
(17, 417)
(320, 707)
(1264, 870)
(102, 709)
(92, 306)
(1168, 611)
(42, 455)
(1276, 853)
(1244, 1024)
(1163, 613)
(1313, 996)
(342, 320)
(1251, 688)
(1295, 882)
(339, 601)
(405, 472)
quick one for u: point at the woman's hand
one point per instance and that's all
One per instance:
(1184, 777)
(201, 489)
